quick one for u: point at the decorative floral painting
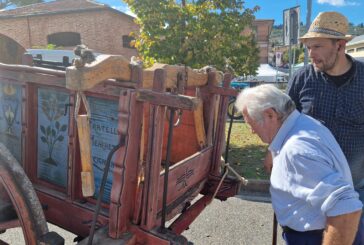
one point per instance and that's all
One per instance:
(53, 136)
(10, 118)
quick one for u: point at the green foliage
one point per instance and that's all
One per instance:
(246, 151)
(48, 46)
(196, 33)
(301, 57)
(6, 3)
(297, 55)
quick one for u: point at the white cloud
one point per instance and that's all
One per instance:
(339, 2)
(124, 9)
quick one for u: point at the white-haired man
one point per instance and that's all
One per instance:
(311, 184)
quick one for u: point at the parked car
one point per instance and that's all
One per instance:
(239, 84)
(53, 59)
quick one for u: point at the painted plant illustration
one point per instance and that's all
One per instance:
(10, 107)
(52, 105)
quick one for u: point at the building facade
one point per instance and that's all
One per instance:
(261, 30)
(356, 47)
(67, 23)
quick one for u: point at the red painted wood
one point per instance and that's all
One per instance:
(186, 219)
(125, 171)
(125, 184)
(185, 141)
(145, 237)
(220, 131)
(135, 206)
(186, 174)
(153, 159)
(9, 224)
(75, 217)
(33, 227)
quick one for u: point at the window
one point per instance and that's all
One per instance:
(127, 41)
(350, 51)
(359, 49)
(64, 39)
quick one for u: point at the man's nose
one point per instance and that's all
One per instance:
(311, 54)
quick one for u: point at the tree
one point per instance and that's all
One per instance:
(7, 3)
(297, 54)
(196, 33)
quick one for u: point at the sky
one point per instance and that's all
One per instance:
(273, 9)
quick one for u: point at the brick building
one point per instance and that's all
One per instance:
(67, 23)
(261, 29)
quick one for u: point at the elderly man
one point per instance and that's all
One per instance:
(311, 185)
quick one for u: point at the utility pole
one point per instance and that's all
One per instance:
(308, 23)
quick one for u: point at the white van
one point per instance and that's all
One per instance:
(51, 55)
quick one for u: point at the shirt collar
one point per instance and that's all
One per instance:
(281, 135)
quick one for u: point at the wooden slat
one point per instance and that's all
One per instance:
(194, 78)
(87, 173)
(183, 102)
(154, 156)
(199, 125)
(105, 67)
(9, 224)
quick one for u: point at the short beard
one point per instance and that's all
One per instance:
(328, 66)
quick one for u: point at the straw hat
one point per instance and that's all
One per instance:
(328, 25)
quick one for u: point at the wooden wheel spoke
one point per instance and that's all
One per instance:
(3, 243)
(19, 204)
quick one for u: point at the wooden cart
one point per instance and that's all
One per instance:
(161, 128)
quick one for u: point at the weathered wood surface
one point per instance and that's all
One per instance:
(176, 101)
(154, 156)
(22, 194)
(87, 174)
(103, 68)
(194, 78)
(117, 67)
(11, 52)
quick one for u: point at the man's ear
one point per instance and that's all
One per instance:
(341, 45)
(270, 113)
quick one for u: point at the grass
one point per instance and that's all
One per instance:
(246, 152)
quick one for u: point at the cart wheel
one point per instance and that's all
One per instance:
(237, 115)
(19, 204)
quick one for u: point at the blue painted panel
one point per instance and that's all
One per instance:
(10, 118)
(104, 136)
(52, 136)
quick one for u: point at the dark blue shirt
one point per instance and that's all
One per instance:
(339, 108)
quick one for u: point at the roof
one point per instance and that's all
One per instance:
(267, 73)
(56, 7)
(356, 40)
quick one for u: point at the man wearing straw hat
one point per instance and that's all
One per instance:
(331, 89)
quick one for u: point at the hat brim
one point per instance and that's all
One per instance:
(310, 35)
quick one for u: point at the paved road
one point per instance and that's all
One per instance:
(233, 222)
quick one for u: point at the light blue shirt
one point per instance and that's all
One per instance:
(310, 177)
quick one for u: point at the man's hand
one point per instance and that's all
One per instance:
(268, 162)
(341, 229)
